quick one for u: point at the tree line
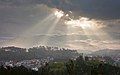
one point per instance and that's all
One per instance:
(16, 53)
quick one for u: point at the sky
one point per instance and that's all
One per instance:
(86, 24)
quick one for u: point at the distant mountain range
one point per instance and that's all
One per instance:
(107, 52)
(16, 53)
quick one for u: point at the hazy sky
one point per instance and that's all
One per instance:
(20, 16)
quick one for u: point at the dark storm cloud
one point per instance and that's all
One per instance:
(101, 9)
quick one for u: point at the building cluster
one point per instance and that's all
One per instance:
(32, 64)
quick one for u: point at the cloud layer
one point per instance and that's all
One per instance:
(17, 16)
(101, 9)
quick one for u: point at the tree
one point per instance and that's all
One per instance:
(70, 67)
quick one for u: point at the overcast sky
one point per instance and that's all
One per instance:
(18, 16)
